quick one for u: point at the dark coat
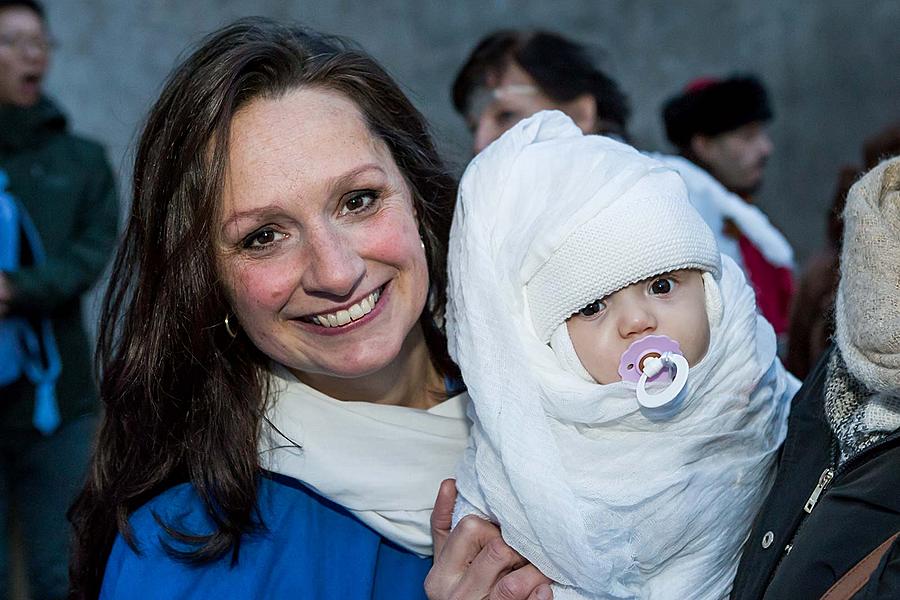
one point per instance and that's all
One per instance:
(792, 554)
(67, 187)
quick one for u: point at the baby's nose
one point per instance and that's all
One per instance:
(636, 320)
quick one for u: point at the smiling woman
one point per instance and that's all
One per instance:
(279, 398)
(319, 223)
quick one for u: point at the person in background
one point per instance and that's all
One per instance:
(510, 75)
(812, 316)
(64, 188)
(720, 125)
(830, 523)
(882, 145)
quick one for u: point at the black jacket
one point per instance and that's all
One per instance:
(793, 554)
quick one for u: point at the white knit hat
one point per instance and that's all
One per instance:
(867, 306)
(623, 228)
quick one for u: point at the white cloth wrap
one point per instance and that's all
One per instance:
(599, 498)
(382, 463)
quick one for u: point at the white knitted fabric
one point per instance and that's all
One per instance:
(613, 248)
(602, 500)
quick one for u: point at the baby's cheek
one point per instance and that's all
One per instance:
(700, 344)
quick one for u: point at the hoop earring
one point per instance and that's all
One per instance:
(228, 328)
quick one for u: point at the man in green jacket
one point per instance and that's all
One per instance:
(66, 186)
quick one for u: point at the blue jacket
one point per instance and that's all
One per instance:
(310, 548)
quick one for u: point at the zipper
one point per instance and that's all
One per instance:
(824, 479)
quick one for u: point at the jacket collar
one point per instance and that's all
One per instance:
(21, 128)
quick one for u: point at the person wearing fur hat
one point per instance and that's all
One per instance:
(627, 400)
(720, 126)
(829, 525)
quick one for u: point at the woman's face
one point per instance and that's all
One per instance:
(318, 243)
(672, 304)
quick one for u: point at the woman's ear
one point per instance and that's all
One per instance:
(582, 110)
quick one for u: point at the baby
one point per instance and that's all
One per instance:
(627, 402)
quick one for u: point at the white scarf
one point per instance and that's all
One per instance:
(383, 463)
(599, 498)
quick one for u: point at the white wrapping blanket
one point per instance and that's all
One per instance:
(600, 499)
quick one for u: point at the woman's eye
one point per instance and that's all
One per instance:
(592, 309)
(262, 238)
(663, 285)
(358, 202)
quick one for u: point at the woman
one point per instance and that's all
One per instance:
(271, 320)
(830, 525)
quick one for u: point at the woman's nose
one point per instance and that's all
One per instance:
(636, 319)
(333, 265)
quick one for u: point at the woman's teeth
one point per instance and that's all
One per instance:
(354, 313)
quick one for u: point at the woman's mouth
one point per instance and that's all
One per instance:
(352, 313)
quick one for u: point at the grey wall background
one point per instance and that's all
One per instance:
(832, 66)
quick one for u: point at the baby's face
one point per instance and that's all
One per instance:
(672, 304)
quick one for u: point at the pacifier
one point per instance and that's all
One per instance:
(656, 359)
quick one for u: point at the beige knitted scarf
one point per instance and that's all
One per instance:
(862, 398)
(867, 306)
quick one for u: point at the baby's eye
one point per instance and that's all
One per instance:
(593, 308)
(662, 285)
(262, 238)
(358, 202)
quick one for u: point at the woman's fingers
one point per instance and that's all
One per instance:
(524, 583)
(471, 561)
(493, 562)
(442, 515)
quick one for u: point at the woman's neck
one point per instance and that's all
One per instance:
(409, 380)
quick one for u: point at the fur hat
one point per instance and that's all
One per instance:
(867, 307)
(711, 106)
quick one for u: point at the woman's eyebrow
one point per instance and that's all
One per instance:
(345, 180)
(254, 213)
(336, 184)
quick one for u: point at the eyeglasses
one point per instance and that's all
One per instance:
(24, 43)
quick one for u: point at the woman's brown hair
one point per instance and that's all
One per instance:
(183, 399)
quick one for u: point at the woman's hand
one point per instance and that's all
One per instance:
(474, 563)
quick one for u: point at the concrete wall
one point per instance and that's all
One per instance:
(831, 65)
